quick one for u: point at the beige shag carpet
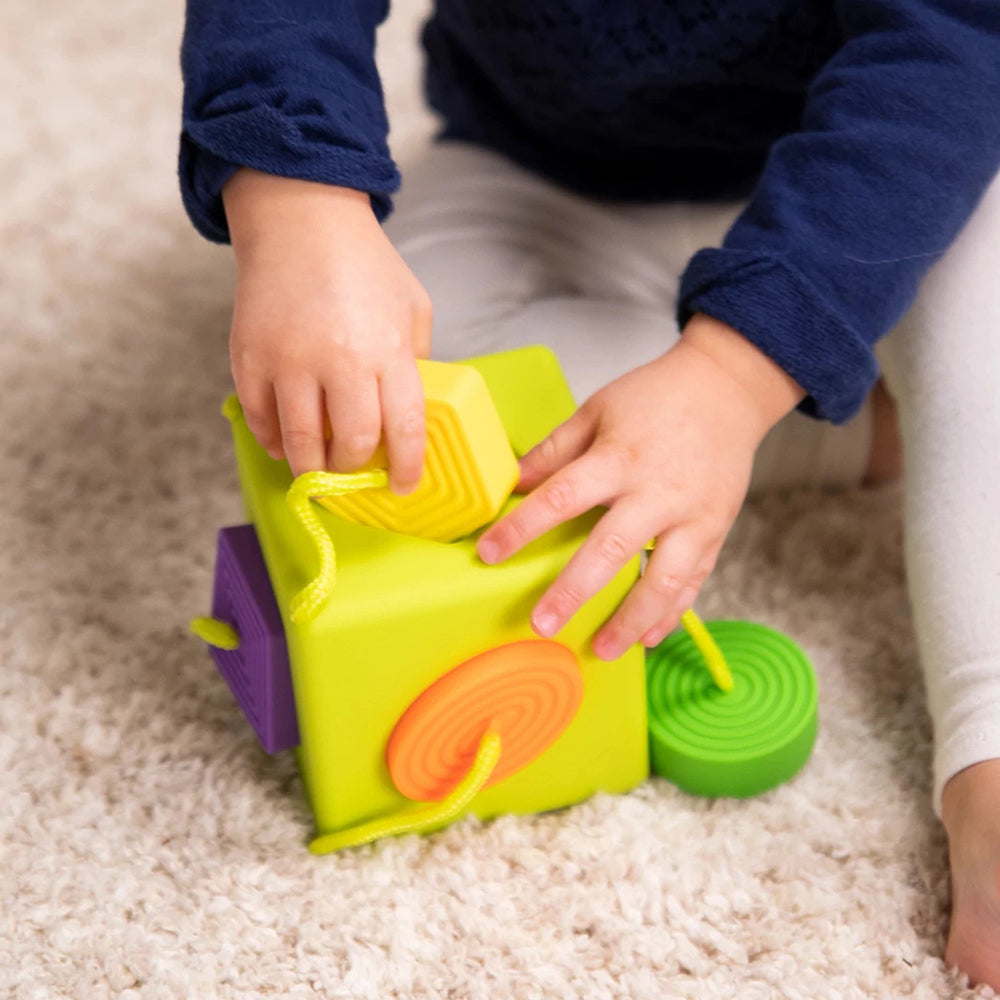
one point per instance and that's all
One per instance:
(149, 849)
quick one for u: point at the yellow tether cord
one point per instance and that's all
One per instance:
(216, 633)
(419, 820)
(306, 604)
(704, 643)
(708, 648)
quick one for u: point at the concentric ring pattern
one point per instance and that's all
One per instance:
(735, 743)
(528, 692)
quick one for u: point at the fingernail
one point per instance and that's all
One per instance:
(653, 637)
(546, 625)
(605, 649)
(608, 647)
(489, 552)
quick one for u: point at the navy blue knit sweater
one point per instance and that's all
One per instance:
(864, 132)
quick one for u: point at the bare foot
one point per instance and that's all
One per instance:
(885, 462)
(970, 810)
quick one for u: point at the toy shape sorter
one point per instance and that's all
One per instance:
(362, 629)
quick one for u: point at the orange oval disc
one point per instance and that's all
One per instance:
(528, 692)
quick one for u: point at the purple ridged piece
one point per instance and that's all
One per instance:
(257, 672)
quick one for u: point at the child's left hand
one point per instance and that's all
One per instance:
(668, 449)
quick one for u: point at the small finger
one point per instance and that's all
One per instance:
(300, 412)
(423, 321)
(676, 570)
(402, 394)
(261, 413)
(565, 444)
(655, 635)
(352, 403)
(574, 489)
(615, 539)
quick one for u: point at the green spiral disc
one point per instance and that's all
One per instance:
(737, 743)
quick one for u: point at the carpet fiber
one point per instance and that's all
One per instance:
(148, 847)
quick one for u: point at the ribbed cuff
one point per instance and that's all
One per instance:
(262, 139)
(775, 307)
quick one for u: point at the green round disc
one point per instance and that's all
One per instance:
(736, 743)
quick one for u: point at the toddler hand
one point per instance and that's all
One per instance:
(668, 449)
(327, 322)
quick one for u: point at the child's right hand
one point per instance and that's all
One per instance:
(327, 324)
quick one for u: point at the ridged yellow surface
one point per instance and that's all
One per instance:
(469, 466)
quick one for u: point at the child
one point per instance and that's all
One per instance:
(820, 157)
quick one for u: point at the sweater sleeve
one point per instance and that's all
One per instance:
(288, 87)
(899, 139)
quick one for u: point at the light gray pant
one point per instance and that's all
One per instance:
(510, 260)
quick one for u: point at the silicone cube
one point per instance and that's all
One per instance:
(469, 466)
(405, 611)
